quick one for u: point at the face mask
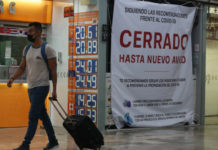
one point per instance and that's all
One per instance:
(30, 38)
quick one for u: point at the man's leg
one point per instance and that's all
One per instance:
(37, 98)
(48, 125)
(53, 143)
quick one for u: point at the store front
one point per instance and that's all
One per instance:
(57, 17)
(83, 47)
(14, 19)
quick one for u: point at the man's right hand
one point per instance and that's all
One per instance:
(10, 82)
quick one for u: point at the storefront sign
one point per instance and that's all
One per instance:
(151, 62)
(26, 11)
(11, 7)
(1, 6)
(14, 31)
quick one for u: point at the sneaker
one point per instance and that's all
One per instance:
(51, 146)
(23, 146)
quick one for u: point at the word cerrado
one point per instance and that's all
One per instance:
(156, 40)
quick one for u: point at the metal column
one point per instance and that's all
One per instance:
(199, 61)
(101, 65)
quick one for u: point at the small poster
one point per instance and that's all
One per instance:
(8, 52)
(68, 11)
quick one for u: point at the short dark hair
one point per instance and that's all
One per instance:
(37, 25)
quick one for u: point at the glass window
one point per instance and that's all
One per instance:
(211, 110)
(12, 42)
(11, 49)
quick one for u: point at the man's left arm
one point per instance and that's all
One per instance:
(53, 67)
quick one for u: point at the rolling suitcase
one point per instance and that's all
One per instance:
(82, 129)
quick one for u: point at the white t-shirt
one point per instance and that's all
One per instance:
(36, 68)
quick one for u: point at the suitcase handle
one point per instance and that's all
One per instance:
(52, 101)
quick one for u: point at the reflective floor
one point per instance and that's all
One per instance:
(176, 138)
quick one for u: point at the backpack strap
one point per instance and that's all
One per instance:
(43, 52)
(27, 49)
(44, 56)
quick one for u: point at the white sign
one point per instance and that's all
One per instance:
(151, 62)
(8, 52)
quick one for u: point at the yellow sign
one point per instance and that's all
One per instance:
(26, 10)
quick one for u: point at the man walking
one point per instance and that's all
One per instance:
(38, 64)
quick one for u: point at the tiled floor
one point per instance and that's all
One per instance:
(177, 138)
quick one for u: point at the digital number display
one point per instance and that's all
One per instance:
(86, 104)
(86, 81)
(89, 32)
(91, 81)
(79, 111)
(92, 32)
(86, 40)
(92, 114)
(88, 100)
(80, 66)
(92, 47)
(81, 47)
(86, 47)
(80, 32)
(86, 66)
(80, 100)
(83, 66)
(91, 100)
